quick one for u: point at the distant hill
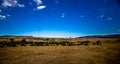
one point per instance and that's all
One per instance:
(93, 36)
(102, 36)
(14, 36)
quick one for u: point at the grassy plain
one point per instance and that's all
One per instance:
(107, 53)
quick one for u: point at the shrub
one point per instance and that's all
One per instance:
(41, 43)
(12, 43)
(98, 43)
(52, 43)
(32, 44)
(37, 44)
(117, 41)
(65, 43)
(86, 43)
(2, 44)
(70, 44)
(94, 43)
(80, 43)
(23, 42)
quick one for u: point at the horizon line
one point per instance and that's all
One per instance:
(59, 36)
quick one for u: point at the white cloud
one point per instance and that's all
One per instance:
(6, 3)
(63, 15)
(21, 5)
(2, 17)
(41, 7)
(11, 3)
(38, 2)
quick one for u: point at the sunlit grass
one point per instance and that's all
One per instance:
(92, 54)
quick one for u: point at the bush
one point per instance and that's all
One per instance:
(52, 43)
(98, 43)
(117, 41)
(36, 44)
(41, 43)
(70, 44)
(94, 43)
(80, 43)
(32, 44)
(86, 43)
(65, 43)
(12, 43)
(2, 44)
(23, 42)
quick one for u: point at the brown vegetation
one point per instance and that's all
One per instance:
(60, 51)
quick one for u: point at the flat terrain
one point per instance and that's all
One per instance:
(107, 53)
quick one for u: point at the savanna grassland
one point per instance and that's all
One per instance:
(60, 51)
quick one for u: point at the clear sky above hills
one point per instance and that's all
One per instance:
(59, 18)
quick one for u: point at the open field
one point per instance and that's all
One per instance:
(93, 54)
(34, 41)
(108, 52)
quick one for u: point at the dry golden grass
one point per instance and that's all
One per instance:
(107, 53)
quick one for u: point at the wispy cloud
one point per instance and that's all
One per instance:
(41, 7)
(38, 2)
(63, 15)
(11, 3)
(2, 17)
(101, 16)
(6, 3)
(21, 5)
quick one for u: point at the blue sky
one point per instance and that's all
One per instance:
(59, 18)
